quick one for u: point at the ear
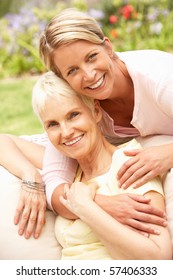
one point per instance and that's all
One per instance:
(97, 111)
(108, 45)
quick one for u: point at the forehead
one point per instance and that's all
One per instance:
(58, 108)
(82, 44)
(73, 52)
(64, 102)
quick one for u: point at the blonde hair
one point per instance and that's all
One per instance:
(68, 26)
(50, 86)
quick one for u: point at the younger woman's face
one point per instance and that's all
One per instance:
(71, 127)
(87, 67)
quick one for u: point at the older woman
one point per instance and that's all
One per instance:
(73, 124)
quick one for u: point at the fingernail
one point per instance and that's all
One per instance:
(156, 231)
(36, 235)
(26, 235)
(145, 234)
(20, 232)
(165, 224)
(124, 186)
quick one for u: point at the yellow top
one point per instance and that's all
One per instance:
(77, 239)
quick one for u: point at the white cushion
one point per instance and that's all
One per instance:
(13, 246)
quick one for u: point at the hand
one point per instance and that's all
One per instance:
(78, 196)
(132, 210)
(144, 165)
(30, 213)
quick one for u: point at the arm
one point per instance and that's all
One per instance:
(129, 209)
(132, 210)
(121, 242)
(57, 170)
(149, 162)
(22, 158)
(145, 164)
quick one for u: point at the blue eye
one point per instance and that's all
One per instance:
(74, 114)
(51, 124)
(92, 56)
(73, 70)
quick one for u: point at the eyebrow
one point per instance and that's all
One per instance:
(85, 57)
(74, 109)
(49, 121)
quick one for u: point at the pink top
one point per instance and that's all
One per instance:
(152, 75)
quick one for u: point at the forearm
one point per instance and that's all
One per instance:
(121, 242)
(22, 158)
(15, 161)
(32, 151)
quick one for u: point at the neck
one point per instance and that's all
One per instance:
(98, 161)
(124, 89)
(120, 105)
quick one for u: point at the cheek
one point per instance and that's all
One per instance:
(53, 137)
(74, 82)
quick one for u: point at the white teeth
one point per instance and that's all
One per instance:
(73, 141)
(97, 84)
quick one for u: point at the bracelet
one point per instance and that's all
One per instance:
(34, 185)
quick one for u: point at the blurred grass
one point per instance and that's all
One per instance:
(17, 116)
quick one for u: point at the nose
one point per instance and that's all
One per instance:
(67, 130)
(89, 73)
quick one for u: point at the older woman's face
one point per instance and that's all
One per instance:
(71, 126)
(87, 67)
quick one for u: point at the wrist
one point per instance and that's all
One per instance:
(100, 200)
(28, 185)
(32, 174)
(88, 212)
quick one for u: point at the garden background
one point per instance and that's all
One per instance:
(130, 25)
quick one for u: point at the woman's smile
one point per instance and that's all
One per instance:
(73, 141)
(98, 84)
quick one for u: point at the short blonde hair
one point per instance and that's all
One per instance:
(50, 86)
(68, 26)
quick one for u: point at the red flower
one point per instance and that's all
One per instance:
(127, 11)
(113, 19)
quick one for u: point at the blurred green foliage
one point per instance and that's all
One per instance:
(16, 112)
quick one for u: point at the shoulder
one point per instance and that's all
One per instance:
(146, 59)
(148, 65)
(119, 157)
(132, 144)
(144, 53)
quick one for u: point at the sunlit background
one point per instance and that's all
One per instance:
(130, 25)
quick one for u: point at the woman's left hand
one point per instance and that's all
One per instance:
(77, 196)
(144, 165)
(30, 213)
